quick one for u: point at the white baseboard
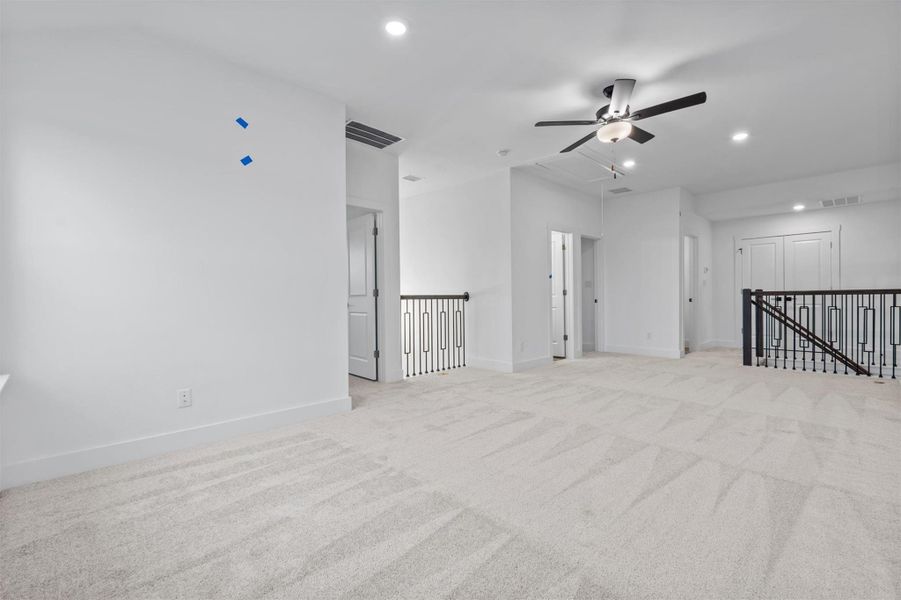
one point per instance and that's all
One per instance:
(644, 351)
(68, 463)
(531, 363)
(489, 364)
(721, 344)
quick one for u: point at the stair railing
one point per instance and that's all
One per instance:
(433, 332)
(845, 331)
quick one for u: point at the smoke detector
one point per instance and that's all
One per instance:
(412, 178)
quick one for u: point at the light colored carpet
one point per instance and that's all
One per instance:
(609, 477)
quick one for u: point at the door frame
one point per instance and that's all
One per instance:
(569, 316)
(689, 289)
(380, 297)
(597, 298)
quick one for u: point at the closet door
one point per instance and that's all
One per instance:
(808, 267)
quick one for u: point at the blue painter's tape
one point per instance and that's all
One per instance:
(246, 160)
(242, 122)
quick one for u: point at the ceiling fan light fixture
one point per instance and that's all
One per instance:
(615, 131)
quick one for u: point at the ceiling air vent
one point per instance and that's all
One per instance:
(844, 201)
(413, 178)
(620, 190)
(369, 135)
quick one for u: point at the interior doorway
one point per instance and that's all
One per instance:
(362, 294)
(560, 276)
(590, 294)
(689, 293)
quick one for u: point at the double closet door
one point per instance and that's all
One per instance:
(788, 262)
(799, 262)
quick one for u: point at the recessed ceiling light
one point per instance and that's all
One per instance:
(740, 136)
(798, 207)
(629, 163)
(396, 28)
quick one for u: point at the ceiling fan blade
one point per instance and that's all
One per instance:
(619, 99)
(579, 143)
(640, 135)
(557, 123)
(659, 109)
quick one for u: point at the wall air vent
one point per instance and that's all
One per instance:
(844, 201)
(620, 190)
(358, 132)
(412, 178)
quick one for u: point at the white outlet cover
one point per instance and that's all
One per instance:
(185, 398)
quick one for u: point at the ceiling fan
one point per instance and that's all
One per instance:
(616, 120)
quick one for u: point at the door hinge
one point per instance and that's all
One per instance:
(564, 246)
(375, 293)
(375, 231)
(375, 354)
(564, 292)
(565, 338)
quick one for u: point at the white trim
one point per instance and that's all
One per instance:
(489, 364)
(524, 365)
(641, 351)
(49, 467)
(720, 344)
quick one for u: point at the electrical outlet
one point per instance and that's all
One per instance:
(184, 398)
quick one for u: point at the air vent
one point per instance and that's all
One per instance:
(369, 135)
(843, 201)
(413, 178)
(620, 190)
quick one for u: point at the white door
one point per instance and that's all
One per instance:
(792, 263)
(808, 266)
(558, 294)
(762, 263)
(361, 297)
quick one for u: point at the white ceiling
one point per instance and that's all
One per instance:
(817, 84)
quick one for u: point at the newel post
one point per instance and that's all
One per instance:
(746, 326)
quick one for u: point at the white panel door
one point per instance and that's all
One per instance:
(558, 300)
(808, 266)
(361, 299)
(762, 267)
(762, 263)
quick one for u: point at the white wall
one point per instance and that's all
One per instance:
(456, 240)
(869, 246)
(372, 183)
(139, 256)
(695, 225)
(874, 184)
(642, 273)
(538, 207)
